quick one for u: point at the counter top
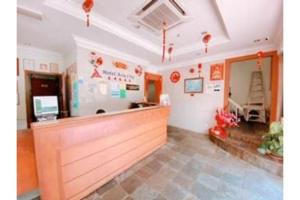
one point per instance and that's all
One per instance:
(71, 120)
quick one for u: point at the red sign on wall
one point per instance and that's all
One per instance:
(216, 72)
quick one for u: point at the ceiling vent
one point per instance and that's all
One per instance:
(154, 13)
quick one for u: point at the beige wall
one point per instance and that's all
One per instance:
(195, 113)
(89, 101)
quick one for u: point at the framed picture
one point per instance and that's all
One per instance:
(216, 72)
(43, 68)
(28, 64)
(193, 85)
(54, 67)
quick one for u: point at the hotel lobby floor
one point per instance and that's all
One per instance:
(190, 167)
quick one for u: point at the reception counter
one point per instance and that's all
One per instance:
(75, 156)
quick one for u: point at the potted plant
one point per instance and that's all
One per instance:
(272, 142)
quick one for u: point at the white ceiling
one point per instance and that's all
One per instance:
(233, 24)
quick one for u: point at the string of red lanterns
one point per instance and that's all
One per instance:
(87, 7)
(259, 62)
(163, 42)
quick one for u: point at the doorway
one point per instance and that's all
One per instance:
(274, 83)
(153, 87)
(44, 84)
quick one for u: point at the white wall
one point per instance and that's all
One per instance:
(39, 56)
(195, 113)
(240, 78)
(90, 102)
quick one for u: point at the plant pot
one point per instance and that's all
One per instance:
(276, 157)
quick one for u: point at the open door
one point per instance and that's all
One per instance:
(153, 87)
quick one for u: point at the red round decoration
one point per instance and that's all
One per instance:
(192, 70)
(199, 65)
(175, 77)
(99, 61)
(260, 54)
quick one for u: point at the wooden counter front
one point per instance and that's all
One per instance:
(76, 156)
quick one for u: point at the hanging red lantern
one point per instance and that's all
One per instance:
(260, 56)
(206, 38)
(87, 7)
(163, 42)
(170, 50)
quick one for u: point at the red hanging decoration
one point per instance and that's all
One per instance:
(170, 50)
(192, 70)
(206, 38)
(260, 55)
(163, 42)
(87, 7)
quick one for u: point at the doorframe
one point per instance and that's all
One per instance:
(27, 74)
(158, 82)
(274, 79)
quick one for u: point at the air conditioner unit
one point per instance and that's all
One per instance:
(154, 13)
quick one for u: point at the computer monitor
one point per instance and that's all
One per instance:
(45, 105)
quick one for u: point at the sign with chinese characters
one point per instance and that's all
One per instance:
(216, 72)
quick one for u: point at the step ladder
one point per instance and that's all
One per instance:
(255, 109)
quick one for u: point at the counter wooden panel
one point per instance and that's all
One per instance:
(26, 166)
(76, 156)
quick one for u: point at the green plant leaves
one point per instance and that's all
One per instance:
(273, 140)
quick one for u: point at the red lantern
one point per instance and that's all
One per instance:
(87, 7)
(164, 42)
(260, 56)
(170, 49)
(206, 38)
(192, 70)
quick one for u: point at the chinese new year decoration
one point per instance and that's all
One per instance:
(163, 42)
(170, 50)
(199, 69)
(216, 72)
(87, 7)
(175, 77)
(206, 38)
(96, 61)
(260, 55)
(192, 70)
(223, 120)
(138, 70)
(120, 65)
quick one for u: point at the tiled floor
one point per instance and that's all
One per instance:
(190, 167)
